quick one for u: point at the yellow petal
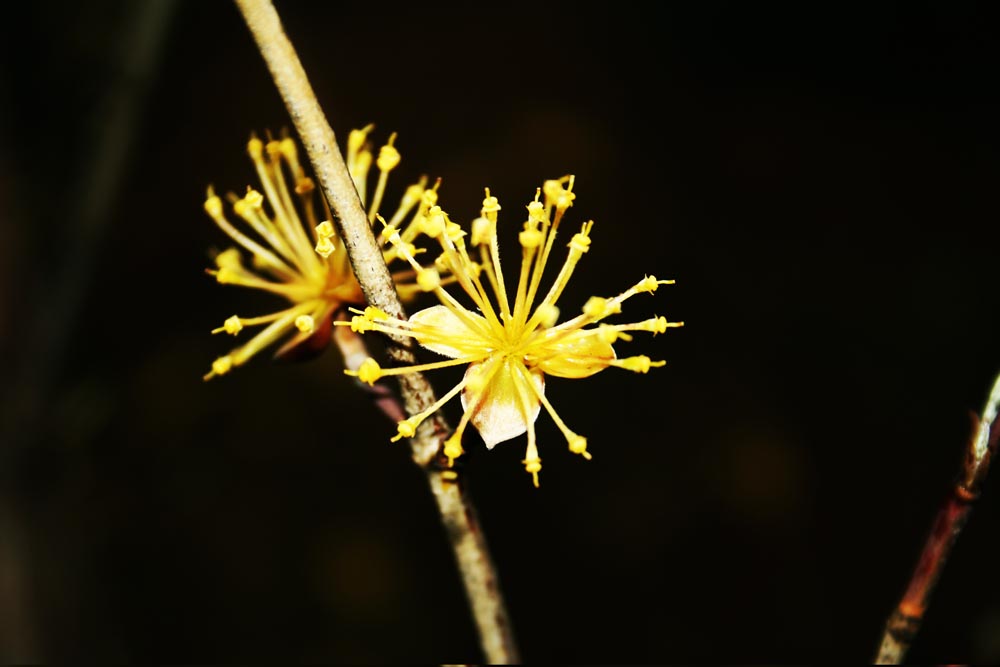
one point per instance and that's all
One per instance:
(576, 355)
(498, 411)
(441, 322)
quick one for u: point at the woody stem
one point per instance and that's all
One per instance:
(905, 620)
(457, 512)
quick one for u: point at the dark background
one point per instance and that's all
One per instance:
(820, 180)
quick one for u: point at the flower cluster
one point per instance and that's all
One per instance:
(509, 346)
(296, 255)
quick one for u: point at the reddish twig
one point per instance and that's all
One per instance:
(905, 620)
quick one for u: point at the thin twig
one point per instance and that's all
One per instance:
(905, 620)
(457, 512)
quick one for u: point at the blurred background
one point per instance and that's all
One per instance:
(820, 181)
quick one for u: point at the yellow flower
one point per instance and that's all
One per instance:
(298, 257)
(509, 349)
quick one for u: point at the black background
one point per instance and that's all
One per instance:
(819, 178)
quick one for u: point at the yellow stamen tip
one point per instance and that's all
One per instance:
(536, 210)
(304, 186)
(434, 223)
(453, 448)
(406, 428)
(232, 325)
(388, 156)
(578, 445)
(213, 204)
(255, 148)
(222, 365)
(305, 323)
(324, 247)
(325, 229)
(254, 199)
(547, 314)
(228, 258)
(374, 314)
(598, 307)
(533, 466)
(428, 279)
(639, 364)
(368, 372)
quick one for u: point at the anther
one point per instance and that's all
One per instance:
(406, 428)
(231, 326)
(428, 279)
(533, 466)
(222, 365)
(324, 247)
(547, 314)
(305, 323)
(453, 448)
(369, 371)
(638, 364)
(325, 229)
(578, 445)
(255, 148)
(388, 156)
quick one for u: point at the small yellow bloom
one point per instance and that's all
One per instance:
(296, 255)
(509, 349)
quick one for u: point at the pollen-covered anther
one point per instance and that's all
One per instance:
(638, 364)
(213, 204)
(388, 156)
(482, 231)
(455, 233)
(547, 314)
(565, 200)
(428, 279)
(225, 275)
(578, 445)
(368, 372)
(325, 229)
(406, 428)
(598, 307)
(434, 223)
(536, 210)
(657, 325)
(324, 247)
(255, 147)
(231, 326)
(375, 314)
(254, 199)
(361, 324)
(273, 148)
(230, 257)
(222, 365)
(389, 233)
(289, 150)
(304, 185)
(356, 138)
(610, 334)
(491, 206)
(430, 197)
(531, 237)
(453, 448)
(305, 323)
(650, 283)
(533, 466)
(581, 240)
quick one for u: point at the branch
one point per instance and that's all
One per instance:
(457, 512)
(905, 620)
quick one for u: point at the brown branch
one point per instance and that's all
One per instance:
(457, 512)
(905, 620)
